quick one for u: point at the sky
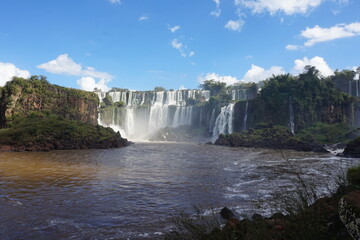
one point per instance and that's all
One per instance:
(176, 44)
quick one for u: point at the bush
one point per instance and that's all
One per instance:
(353, 175)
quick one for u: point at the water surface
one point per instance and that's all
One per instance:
(131, 193)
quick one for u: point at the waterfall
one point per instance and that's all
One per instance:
(291, 116)
(246, 115)
(212, 121)
(224, 122)
(350, 88)
(145, 112)
(240, 94)
(357, 87)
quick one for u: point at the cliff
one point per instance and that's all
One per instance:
(38, 116)
(20, 97)
(306, 99)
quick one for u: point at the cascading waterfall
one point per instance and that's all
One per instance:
(239, 94)
(357, 87)
(246, 115)
(291, 116)
(224, 122)
(146, 112)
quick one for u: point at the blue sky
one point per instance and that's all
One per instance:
(140, 44)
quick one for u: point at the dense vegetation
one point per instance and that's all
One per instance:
(37, 116)
(21, 96)
(46, 131)
(313, 98)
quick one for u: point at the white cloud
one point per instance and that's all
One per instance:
(217, 11)
(317, 62)
(143, 18)
(183, 49)
(229, 80)
(174, 29)
(288, 7)
(63, 64)
(89, 83)
(176, 44)
(235, 25)
(115, 1)
(256, 73)
(293, 47)
(9, 70)
(318, 34)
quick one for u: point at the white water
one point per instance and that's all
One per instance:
(246, 115)
(147, 112)
(224, 123)
(291, 117)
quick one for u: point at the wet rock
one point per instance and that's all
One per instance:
(352, 149)
(227, 213)
(349, 212)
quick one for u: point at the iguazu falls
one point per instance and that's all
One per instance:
(179, 120)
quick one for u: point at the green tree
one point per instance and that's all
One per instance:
(159, 89)
(215, 87)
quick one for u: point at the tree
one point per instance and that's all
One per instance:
(215, 87)
(159, 89)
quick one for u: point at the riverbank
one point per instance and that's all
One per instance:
(315, 138)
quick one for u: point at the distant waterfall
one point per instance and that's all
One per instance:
(350, 88)
(212, 121)
(291, 116)
(246, 115)
(224, 123)
(357, 87)
(146, 112)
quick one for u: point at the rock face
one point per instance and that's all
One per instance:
(38, 116)
(349, 212)
(276, 137)
(20, 97)
(352, 149)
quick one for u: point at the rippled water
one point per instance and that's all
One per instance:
(130, 193)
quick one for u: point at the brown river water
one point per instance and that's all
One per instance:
(132, 192)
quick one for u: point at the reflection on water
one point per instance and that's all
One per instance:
(132, 192)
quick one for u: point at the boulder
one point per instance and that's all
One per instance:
(349, 212)
(352, 149)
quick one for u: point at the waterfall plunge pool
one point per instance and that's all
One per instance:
(132, 192)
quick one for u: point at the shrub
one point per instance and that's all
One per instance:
(353, 175)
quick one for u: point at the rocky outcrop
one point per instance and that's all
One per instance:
(179, 134)
(349, 212)
(38, 116)
(352, 149)
(20, 97)
(277, 137)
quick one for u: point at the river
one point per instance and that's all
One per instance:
(132, 192)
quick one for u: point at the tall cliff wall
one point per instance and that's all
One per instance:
(20, 97)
